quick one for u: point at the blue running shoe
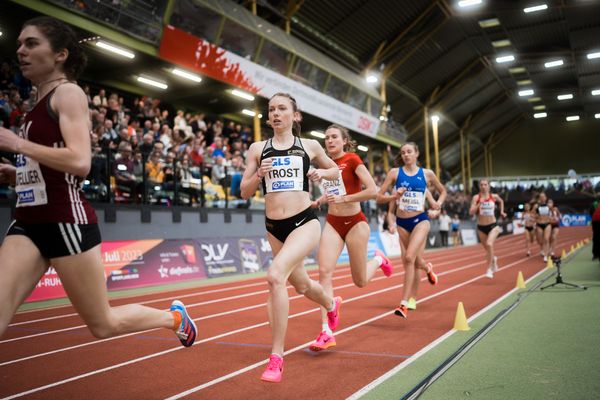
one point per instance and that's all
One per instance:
(187, 329)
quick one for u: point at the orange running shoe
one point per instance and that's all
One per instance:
(431, 276)
(323, 342)
(401, 311)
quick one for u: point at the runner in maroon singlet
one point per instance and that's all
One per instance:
(54, 224)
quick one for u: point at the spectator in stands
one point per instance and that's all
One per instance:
(147, 145)
(197, 152)
(218, 173)
(123, 170)
(110, 138)
(455, 230)
(445, 221)
(169, 171)
(154, 169)
(235, 172)
(100, 99)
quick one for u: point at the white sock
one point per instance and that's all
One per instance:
(325, 328)
(379, 260)
(404, 303)
(330, 309)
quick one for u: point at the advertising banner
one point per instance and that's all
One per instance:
(200, 56)
(576, 220)
(135, 263)
(468, 236)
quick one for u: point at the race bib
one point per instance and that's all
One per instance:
(335, 187)
(486, 208)
(544, 211)
(412, 201)
(286, 175)
(30, 185)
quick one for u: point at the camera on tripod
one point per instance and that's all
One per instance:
(556, 260)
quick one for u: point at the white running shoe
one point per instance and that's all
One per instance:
(489, 273)
(545, 258)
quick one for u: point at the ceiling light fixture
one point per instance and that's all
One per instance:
(115, 49)
(505, 59)
(540, 107)
(152, 82)
(501, 43)
(555, 63)
(241, 94)
(489, 23)
(540, 115)
(468, 3)
(596, 92)
(317, 134)
(572, 118)
(591, 56)
(371, 78)
(524, 82)
(534, 99)
(362, 148)
(250, 113)
(566, 96)
(516, 70)
(186, 75)
(597, 116)
(526, 92)
(539, 7)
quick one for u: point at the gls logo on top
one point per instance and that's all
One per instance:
(281, 161)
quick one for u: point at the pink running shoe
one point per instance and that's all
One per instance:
(333, 317)
(386, 265)
(323, 342)
(274, 371)
(431, 276)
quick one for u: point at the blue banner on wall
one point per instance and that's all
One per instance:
(576, 220)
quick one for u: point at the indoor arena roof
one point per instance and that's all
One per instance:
(439, 54)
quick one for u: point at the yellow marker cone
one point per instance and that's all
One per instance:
(520, 281)
(549, 263)
(563, 256)
(587, 240)
(572, 248)
(460, 321)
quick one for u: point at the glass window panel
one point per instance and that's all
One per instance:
(185, 17)
(274, 57)
(309, 74)
(376, 105)
(239, 40)
(357, 99)
(337, 88)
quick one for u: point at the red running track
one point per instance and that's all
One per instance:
(49, 354)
